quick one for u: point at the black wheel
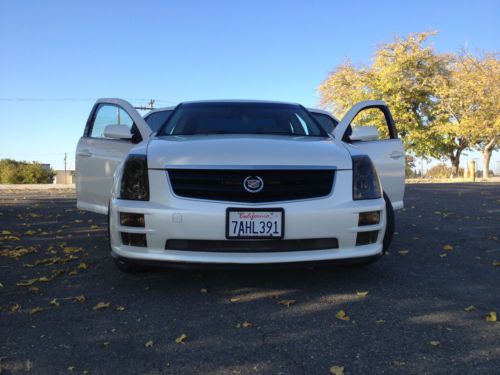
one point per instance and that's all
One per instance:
(126, 266)
(390, 225)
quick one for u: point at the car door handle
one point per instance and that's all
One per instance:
(84, 153)
(396, 155)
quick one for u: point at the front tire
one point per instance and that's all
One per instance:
(390, 224)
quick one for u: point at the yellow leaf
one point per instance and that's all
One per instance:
(82, 266)
(362, 294)
(245, 324)
(6, 232)
(149, 344)
(287, 302)
(496, 263)
(27, 282)
(54, 302)
(448, 247)
(469, 308)
(34, 289)
(44, 279)
(101, 305)
(380, 321)
(341, 315)
(94, 226)
(15, 307)
(181, 339)
(120, 308)
(435, 343)
(235, 299)
(491, 316)
(403, 252)
(36, 310)
(30, 232)
(81, 298)
(337, 370)
(73, 273)
(78, 221)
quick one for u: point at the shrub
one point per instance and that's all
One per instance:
(22, 172)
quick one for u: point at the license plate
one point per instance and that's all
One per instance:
(256, 223)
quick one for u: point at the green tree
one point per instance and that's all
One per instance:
(22, 172)
(467, 99)
(402, 74)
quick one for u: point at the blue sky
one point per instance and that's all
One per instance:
(62, 55)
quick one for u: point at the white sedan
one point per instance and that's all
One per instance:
(240, 183)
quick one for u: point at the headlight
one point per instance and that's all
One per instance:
(135, 183)
(365, 183)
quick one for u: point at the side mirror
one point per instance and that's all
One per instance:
(364, 133)
(117, 132)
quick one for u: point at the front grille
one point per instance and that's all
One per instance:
(227, 185)
(252, 246)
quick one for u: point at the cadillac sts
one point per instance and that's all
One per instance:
(240, 183)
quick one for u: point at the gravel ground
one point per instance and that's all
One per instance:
(65, 308)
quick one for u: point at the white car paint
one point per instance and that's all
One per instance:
(99, 163)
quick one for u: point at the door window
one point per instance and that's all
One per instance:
(107, 114)
(375, 117)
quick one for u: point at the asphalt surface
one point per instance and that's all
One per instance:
(411, 321)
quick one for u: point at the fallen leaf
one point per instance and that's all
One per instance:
(1, 285)
(34, 289)
(71, 368)
(81, 298)
(181, 339)
(341, 315)
(30, 232)
(491, 316)
(362, 294)
(337, 370)
(101, 305)
(94, 226)
(28, 282)
(443, 255)
(380, 321)
(435, 343)
(235, 299)
(203, 290)
(73, 273)
(54, 302)
(78, 221)
(448, 247)
(403, 252)
(44, 279)
(469, 308)
(36, 310)
(6, 232)
(287, 302)
(149, 344)
(15, 308)
(120, 308)
(82, 266)
(245, 324)
(496, 263)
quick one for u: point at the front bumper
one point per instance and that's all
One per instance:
(169, 217)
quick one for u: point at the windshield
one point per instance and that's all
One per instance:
(241, 118)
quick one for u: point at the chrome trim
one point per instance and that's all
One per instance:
(249, 167)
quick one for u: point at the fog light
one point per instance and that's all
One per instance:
(134, 239)
(131, 220)
(366, 238)
(369, 218)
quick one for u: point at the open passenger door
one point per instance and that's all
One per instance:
(384, 148)
(101, 149)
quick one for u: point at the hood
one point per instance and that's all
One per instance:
(246, 151)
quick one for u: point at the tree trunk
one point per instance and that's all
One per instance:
(455, 163)
(488, 149)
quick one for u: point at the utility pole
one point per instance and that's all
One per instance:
(65, 177)
(151, 103)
